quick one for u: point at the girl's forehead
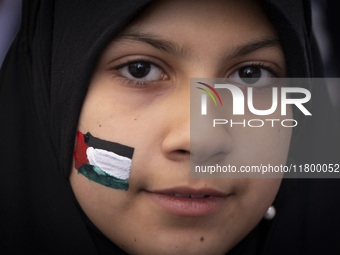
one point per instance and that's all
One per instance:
(193, 23)
(211, 28)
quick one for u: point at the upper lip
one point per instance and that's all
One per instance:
(187, 191)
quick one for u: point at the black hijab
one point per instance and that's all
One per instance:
(43, 83)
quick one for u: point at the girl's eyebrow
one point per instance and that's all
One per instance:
(247, 48)
(177, 50)
(167, 46)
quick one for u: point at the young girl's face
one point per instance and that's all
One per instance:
(139, 96)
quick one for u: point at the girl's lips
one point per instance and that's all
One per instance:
(189, 202)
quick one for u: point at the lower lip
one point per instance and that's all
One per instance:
(188, 206)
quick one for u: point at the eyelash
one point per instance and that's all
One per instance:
(133, 83)
(263, 66)
(144, 84)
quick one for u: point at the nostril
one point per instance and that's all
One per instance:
(182, 151)
(178, 155)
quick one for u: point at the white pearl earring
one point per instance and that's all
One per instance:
(270, 214)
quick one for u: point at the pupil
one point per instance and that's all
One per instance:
(139, 69)
(250, 74)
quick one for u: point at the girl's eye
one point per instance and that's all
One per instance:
(141, 71)
(253, 75)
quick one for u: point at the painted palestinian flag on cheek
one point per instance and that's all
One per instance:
(104, 162)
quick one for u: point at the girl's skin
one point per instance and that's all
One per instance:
(181, 39)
